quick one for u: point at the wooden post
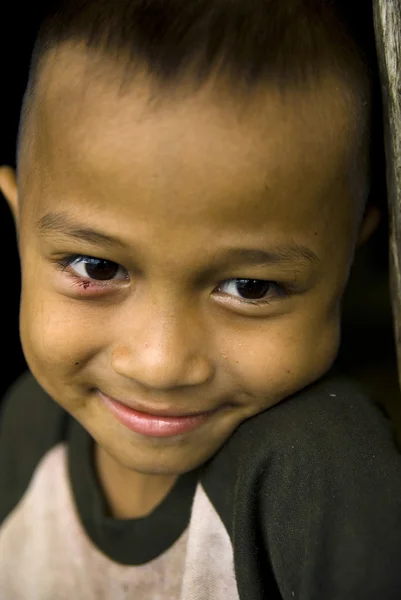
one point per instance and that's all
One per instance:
(387, 17)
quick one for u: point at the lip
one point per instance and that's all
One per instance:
(155, 412)
(154, 422)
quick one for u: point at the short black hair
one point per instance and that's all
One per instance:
(287, 43)
(250, 41)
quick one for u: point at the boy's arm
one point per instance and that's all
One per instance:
(318, 499)
(331, 506)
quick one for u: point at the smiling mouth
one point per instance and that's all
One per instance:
(155, 423)
(156, 412)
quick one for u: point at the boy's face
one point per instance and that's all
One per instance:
(182, 201)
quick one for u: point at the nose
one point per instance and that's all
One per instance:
(163, 349)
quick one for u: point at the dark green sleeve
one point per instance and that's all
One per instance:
(30, 424)
(329, 500)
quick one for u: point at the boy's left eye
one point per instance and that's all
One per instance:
(252, 291)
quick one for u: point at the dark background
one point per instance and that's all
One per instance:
(367, 350)
(19, 24)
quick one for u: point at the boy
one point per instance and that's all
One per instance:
(192, 184)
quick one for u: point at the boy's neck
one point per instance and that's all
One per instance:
(130, 495)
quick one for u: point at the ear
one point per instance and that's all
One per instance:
(370, 221)
(9, 189)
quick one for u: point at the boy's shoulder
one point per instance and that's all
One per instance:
(312, 487)
(28, 409)
(333, 413)
(31, 424)
(329, 435)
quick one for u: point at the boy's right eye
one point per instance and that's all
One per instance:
(89, 267)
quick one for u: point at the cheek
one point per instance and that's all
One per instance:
(55, 334)
(285, 356)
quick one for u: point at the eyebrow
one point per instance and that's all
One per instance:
(63, 224)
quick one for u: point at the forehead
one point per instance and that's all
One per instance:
(210, 151)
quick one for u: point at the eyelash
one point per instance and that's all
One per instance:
(85, 282)
(279, 291)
